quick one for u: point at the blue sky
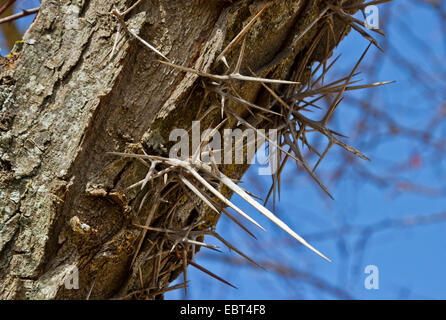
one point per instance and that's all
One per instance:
(411, 260)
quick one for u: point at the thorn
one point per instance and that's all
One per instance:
(211, 274)
(240, 35)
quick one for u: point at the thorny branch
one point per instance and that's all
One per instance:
(202, 180)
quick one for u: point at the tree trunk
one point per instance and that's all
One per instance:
(71, 95)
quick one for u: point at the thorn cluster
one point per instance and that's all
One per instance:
(289, 98)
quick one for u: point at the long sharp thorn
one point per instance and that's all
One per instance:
(240, 35)
(197, 192)
(185, 270)
(238, 223)
(230, 246)
(228, 182)
(233, 76)
(147, 223)
(211, 274)
(148, 45)
(305, 165)
(222, 198)
(245, 102)
(240, 58)
(341, 93)
(261, 134)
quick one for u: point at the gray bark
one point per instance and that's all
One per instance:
(66, 101)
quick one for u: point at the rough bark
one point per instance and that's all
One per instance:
(66, 102)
